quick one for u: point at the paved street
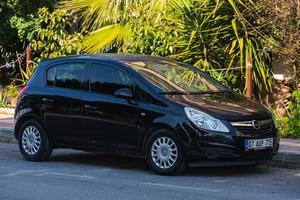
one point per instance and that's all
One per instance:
(78, 175)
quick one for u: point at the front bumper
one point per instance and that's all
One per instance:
(215, 149)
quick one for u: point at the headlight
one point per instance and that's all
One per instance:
(205, 121)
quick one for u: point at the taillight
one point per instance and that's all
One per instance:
(23, 90)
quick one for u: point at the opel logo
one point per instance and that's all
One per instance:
(255, 124)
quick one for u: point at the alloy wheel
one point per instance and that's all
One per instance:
(164, 152)
(31, 140)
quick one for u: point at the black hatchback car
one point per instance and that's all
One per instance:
(167, 112)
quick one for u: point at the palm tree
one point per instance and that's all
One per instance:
(112, 21)
(227, 33)
(210, 34)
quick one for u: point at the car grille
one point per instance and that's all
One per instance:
(254, 127)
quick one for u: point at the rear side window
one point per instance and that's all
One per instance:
(107, 80)
(69, 75)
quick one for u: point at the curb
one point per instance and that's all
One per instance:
(288, 160)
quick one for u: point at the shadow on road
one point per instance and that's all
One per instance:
(120, 162)
(98, 159)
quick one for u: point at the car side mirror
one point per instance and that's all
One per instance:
(124, 93)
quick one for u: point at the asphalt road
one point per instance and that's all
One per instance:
(78, 175)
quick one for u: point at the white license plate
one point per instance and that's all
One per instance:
(258, 144)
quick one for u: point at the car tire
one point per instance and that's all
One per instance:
(33, 142)
(164, 153)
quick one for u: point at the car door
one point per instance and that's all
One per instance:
(62, 102)
(111, 119)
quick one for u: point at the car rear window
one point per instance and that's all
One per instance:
(68, 75)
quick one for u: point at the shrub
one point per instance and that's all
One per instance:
(48, 34)
(291, 123)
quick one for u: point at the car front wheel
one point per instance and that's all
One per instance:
(164, 153)
(33, 142)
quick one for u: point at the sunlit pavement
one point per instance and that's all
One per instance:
(79, 175)
(6, 121)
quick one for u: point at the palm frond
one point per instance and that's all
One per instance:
(106, 36)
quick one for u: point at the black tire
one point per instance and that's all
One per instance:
(180, 164)
(44, 151)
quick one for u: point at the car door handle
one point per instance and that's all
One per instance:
(47, 100)
(89, 107)
(132, 102)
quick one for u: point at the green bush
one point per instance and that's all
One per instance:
(48, 34)
(9, 40)
(291, 123)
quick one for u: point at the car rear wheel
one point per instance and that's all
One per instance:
(164, 153)
(33, 142)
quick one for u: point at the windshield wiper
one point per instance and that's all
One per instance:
(200, 92)
(211, 92)
(174, 92)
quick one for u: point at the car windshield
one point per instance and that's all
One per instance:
(172, 77)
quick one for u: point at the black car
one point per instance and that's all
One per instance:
(167, 112)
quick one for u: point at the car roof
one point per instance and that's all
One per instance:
(107, 57)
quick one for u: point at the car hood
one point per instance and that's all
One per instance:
(227, 105)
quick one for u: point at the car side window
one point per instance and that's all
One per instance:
(69, 75)
(107, 80)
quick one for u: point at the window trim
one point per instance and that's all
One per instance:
(54, 82)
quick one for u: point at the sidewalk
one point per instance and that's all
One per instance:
(6, 128)
(288, 156)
